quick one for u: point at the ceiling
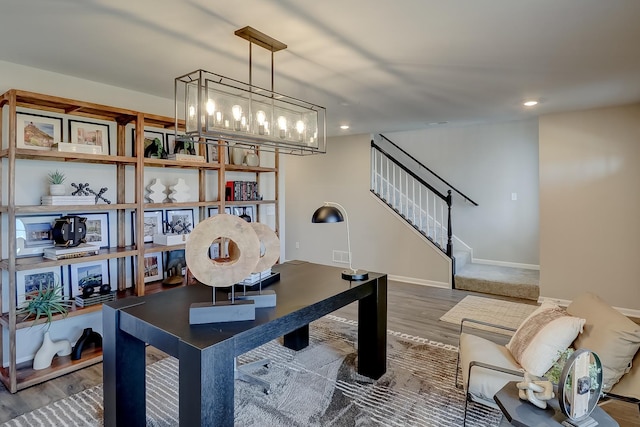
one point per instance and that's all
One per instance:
(375, 65)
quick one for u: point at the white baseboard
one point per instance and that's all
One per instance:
(505, 264)
(629, 312)
(422, 282)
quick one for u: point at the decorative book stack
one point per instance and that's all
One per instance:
(67, 200)
(186, 157)
(94, 299)
(77, 148)
(83, 249)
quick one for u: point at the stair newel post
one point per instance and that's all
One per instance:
(449, 231)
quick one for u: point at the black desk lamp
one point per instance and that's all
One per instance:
(332, 212)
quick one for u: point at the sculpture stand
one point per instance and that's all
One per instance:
(221, 311)
(260, 297)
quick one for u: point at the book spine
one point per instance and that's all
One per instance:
(70, 255)
(229, 191)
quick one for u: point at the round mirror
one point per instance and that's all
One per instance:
(580, 384)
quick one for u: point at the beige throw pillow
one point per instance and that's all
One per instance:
(609, 333)
(540, 339)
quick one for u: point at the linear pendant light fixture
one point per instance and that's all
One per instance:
(216, 109)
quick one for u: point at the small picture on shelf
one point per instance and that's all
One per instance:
(152, 225)
(154, 144)
(34, 234)
(179, 221)
(212, 152)
(33, 280)
(175, 264)
(97, 226)
(153, 267)
(215, 211)
(88, 277)
(89, 133)
(37, 132)
(180, 147)
(244, 212)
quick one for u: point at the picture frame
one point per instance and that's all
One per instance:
(212, 153)
(154, 144)
(245, 212)
(175, 263)
(90, 133)
(97, 226)
(153, 269)
(179, 216)
(88, 274)
(153, 224)
(37, 132)
(31, 280)
(34, 234)
(214, 211)
(174, 147)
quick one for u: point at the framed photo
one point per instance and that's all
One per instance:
(34, 234)
(152, 225)
(89, 133)
(212, 153)
(152, 267)
(244, 212)
(33, 280)
(37, 132)
(214, 211)
(88, 274)
(177, 147)
(175, 263)
(179, 221)
(154, 144)
(97, 228)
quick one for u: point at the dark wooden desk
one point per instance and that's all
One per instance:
(524, 414)
(206, 353)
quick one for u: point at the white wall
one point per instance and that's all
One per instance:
(380, 242)
(488, 163)
(590, 204)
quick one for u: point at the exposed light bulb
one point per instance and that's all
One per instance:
(236, 110)
(218, 117)
(282, 124)
(211, 107)
(300, 126)
(260, 117)
(192, 111)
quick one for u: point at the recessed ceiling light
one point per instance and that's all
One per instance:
(530, 103)
(344, 127)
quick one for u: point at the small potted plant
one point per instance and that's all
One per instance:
(44, 302)
(56, 183)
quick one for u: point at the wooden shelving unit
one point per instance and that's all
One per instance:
(19, 376)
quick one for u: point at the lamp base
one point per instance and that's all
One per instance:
(355, 275)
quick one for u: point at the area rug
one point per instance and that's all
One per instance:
(317, 386)
(489, 310)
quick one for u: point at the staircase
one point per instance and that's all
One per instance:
(400, 181)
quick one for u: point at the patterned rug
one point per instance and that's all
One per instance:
(317, 386)
(490, 310)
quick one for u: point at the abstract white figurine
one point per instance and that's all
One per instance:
(49, 348)
(156, 192)
(179, 192)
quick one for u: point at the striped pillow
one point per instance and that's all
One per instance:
(542, 336)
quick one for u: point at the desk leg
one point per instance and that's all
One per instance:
(123, 371)
(372, 332)
(298, 339)
(206, 385)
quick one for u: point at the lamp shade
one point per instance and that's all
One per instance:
(326, 214)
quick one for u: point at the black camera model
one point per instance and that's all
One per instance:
(69, 231)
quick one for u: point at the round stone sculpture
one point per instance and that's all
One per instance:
(240, 264)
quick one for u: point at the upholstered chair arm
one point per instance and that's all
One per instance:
(479, 322)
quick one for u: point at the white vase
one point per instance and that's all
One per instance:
(237, 155)
(179, 192)
(57, 189)
(252, 159)
(156, 192)
(48, 349)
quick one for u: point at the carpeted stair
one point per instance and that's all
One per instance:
(506, 281)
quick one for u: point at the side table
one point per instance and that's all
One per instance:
(524, 414)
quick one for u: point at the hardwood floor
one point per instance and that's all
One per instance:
(412, 309)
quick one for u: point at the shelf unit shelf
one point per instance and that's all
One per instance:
(129, 169)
